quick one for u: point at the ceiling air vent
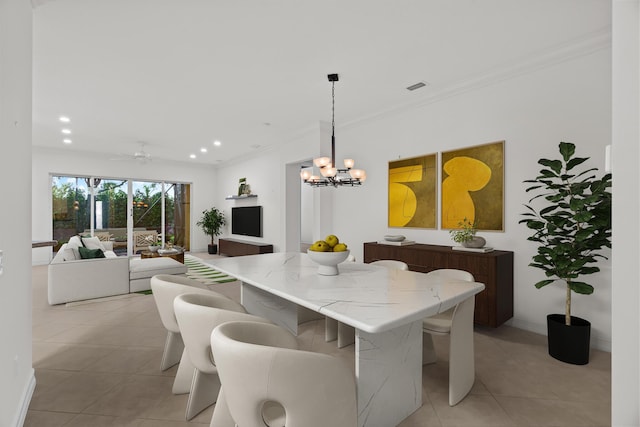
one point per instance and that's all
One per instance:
(417, 86)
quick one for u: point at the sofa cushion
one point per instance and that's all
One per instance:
(110, 254)
(71, 254)
(93, 243)
(74, 242)
(140, 268)
(86, 253)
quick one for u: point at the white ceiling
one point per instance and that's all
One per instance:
(178, 74)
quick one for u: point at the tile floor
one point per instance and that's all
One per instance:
(97, 364)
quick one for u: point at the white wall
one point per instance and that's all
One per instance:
(17, 379)
(266, 172)
(265, 176)
(64, 162)
(569, 101)
(625, 355)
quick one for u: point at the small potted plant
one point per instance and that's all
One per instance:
(211, 223)
(155, 243)
(466, 235)
(570, 227)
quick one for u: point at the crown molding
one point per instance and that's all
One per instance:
(588, 44)
(38, 3)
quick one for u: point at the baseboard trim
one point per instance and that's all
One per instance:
(27, 394)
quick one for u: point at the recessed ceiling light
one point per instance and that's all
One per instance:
(193, 156)
(66, 131)
(66, 141)
(217, 143)
(64, 119)
(203, 150)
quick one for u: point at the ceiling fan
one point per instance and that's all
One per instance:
(139, 156)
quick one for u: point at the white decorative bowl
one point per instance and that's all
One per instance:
(394, 238)
(328, 261)
(153, 248)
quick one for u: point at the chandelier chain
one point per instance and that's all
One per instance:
(333, 105)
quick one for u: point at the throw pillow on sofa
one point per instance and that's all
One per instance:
(71, 254)
(93, 243)
(74, 242)
(72, 245)
(86, 253)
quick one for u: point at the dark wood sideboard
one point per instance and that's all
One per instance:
(494, 305)
(233, 247)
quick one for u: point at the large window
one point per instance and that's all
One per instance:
(71, 207)
(113, 209)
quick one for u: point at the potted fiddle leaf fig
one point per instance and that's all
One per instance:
(211, 223)
(571, 223)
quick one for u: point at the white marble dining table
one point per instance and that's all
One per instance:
(385, 306)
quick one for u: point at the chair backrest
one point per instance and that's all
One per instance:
(165, 288)
(258, 364)
(103, 236)
(197, 315)
(350, 258)
(391, 263)
(451, 273)
(142, 239)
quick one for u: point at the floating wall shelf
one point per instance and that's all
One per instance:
(246, 196)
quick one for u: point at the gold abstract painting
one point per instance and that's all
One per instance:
(412, 192)
(473, 187)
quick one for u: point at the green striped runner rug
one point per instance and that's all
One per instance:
(204, 273)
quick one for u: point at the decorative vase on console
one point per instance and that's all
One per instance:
(475, 242)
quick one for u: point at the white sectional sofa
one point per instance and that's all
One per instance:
(71, 278)
(141, 271)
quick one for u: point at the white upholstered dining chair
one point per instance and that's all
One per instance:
(266, 381)
(456, 322)
(197, 315)
(165, 288)
(391, 263)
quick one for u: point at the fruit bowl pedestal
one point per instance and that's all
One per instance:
(328, 261)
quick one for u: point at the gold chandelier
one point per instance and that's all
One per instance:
(332, 175)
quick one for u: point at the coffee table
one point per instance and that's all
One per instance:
(178, 256)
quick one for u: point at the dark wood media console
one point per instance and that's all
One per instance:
(494, 305)
(233, 247)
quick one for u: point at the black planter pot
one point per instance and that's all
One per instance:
(568, 344)
(212, 249)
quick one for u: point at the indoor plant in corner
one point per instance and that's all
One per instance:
(211, 222)
(571, 226)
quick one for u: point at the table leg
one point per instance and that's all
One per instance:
(389, 375)
(388, 364)
(261, 303)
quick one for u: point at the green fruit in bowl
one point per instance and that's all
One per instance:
(332, 240)
(320, 246)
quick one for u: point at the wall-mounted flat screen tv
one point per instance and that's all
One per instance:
(246, 220)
